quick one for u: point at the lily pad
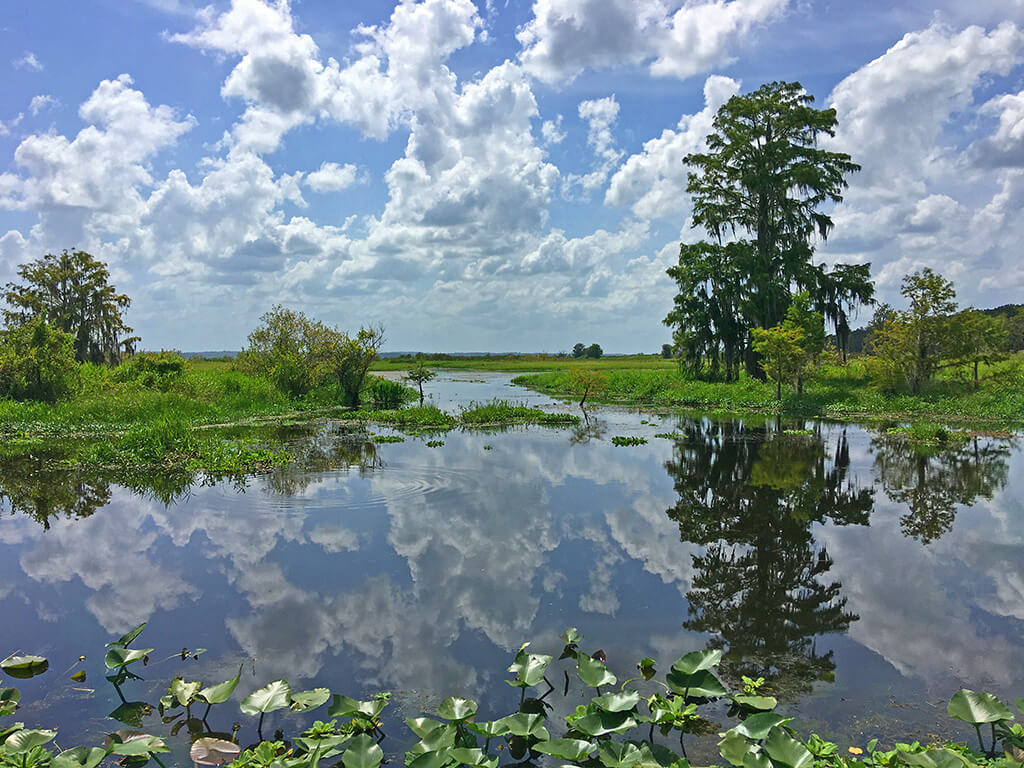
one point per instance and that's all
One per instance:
(758, 726)
(132, 712)
(184, 692)
(734, 747)
(455, 708)
(126, 638)
(617, 702)
(133, 743)
(616, 754)
(24, 666)
(573, 750)
(699, 685)
(9, 698)
(696, 661)
(599, 722)
(221, 692)
(784, 749)
(343, 706)
(362, 752)
(522, 724)
(270, 698)
(121, 657)
(592, 672)
(528, 668)
(24, 740)
(473, 757)
(304, 701)
(976, 707)
(210, 751)
(761, 703)
(79, 757)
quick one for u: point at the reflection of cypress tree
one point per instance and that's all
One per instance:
(750, 497)
(332, 448)
(932, 480)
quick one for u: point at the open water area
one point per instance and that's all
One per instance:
(864, 577)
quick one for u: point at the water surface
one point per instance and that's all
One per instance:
(865, 578)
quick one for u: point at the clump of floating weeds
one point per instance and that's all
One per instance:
(622, 440)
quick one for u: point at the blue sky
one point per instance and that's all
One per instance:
(482, 176)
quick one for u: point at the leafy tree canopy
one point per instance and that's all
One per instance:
(758, 192)
(71, 290)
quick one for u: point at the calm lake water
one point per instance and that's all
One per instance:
(865, 579)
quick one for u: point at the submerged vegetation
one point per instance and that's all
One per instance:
(637, 723)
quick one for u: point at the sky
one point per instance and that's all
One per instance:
(482, 176)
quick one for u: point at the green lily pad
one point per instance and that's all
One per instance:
(615, 754)
(118, 657)
(24, 666)
(126, 638)
(782, 748)
(473, 756)
(79, 757)
(522, 724)
(132, 712)
(343, 706)
(270, 698)
(184, 692)
(9, 698)
(528, 668)
(24, 740)
(734, 747)
(221, 692)
(455, 708)
(592, 672)
(362, 752)
(758, 726)
(599, 723)
(699, 685)
(573, 750)
(762, 703)
(976, 707)
(489, 729)
(696, 661)
(617, 702)
(304, 701)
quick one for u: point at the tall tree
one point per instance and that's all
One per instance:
(761, 186)
(71, 291)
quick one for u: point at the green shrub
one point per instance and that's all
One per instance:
(37, 362)
(385, 393)
(153, 370)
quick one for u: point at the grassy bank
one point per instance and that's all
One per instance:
(836, 392)
(522, 363)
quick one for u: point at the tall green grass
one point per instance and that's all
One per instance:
(835, 391)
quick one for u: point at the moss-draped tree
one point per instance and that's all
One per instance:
(759, 193)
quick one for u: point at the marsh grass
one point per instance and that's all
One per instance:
(835, 392)
(507, 412)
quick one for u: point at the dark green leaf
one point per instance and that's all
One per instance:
(132, 712)
(756, 760)
(430, 760)
(600, 722)
(135, 743)
(700, 685)
(421, 726)
(343, 706)
(473, 756)
(763, 703)
(525, 725)
(488, 729)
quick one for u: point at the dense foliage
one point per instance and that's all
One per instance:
(37, 362)
(758, 192)
(71, 291)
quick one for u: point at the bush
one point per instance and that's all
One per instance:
(37, 362)
(153, 370)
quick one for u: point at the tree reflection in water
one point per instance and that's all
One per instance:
(34, 483)
(749, 495)
(932, 480)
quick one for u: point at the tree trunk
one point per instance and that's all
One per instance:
(778, 389)
(975, 374)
